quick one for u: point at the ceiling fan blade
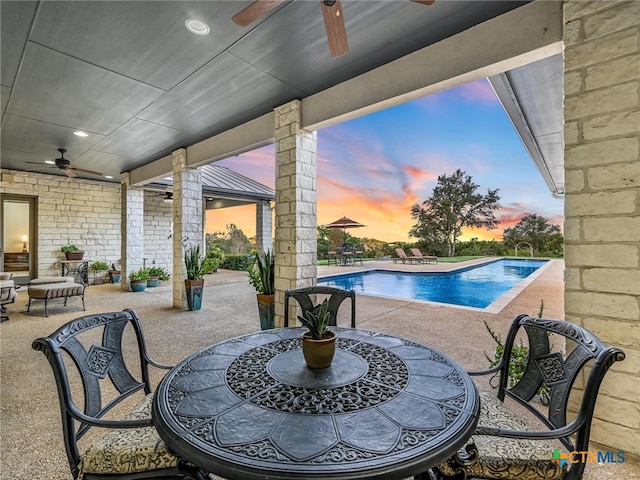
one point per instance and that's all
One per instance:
(424, 2)
(334, 25)
(254, 11)
(69, 173)
(78, 169)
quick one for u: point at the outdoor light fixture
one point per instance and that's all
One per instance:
(25, 239)
(168, 197)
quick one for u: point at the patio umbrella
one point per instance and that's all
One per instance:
(344, 223)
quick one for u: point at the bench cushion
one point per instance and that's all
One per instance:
(55, 290)
(129, 450)
(502, 458)
(45, 280)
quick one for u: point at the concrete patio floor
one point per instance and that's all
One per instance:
(31, 438)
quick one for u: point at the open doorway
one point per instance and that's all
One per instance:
(18, 228)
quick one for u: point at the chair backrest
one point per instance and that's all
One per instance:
(546, 365)
(337, 296)
(416, 253)
(401, 253)
(90, 349)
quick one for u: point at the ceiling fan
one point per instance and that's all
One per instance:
(331, 12)
(64, 164)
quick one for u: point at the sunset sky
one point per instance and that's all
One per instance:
(374, 168)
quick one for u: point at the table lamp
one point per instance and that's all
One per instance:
(25, 239)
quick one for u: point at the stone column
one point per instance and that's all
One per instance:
(187, 220)
(131, 228)
(264, 241)
(295, 221)
(602, 201)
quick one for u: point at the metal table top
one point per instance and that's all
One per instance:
(249, 408)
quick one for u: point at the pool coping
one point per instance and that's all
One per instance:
(494, 307)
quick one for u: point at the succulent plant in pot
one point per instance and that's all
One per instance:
(262, 278)
(194, 283)
(318, 343)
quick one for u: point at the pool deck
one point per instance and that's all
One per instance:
(30, 413)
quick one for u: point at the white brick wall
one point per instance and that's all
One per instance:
(602, 205)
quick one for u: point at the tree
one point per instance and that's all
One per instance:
(533, 229)
(233, 242)
(453, 205)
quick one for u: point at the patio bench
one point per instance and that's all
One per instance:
(50, 291)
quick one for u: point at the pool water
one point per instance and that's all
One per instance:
(476, 286)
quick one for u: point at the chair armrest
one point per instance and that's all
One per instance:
(529, 434)
(152, 362)
(489, 371)
(98, 422)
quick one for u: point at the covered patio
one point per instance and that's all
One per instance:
(600, 144)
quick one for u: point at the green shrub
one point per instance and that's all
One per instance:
(99, 266)
(237, 262)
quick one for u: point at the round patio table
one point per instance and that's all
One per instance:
(249, 408)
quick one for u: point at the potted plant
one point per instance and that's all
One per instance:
(194, 283)
(318, 343)
(262, 277)
(97, 268)
(114, 274)
(138, 280)
(157, 275)
(71, 252)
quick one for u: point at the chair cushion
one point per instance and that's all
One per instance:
(129, 450)
(508, 458)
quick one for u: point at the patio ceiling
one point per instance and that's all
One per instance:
(131, 76)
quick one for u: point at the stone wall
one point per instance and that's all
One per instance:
(158, 225)
(86, 213)
(602, 208)
(82, 212)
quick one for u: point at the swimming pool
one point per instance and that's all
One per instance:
(477, 286)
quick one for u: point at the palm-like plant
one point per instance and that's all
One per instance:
(317, 320)
(263, 277)
(194, 261)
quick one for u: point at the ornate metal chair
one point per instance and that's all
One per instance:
(337, 296)
(90, 351)
(504, 446)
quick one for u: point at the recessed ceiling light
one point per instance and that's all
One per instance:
(108, 176)
(197, 26)
(81, 134)
(50, 162)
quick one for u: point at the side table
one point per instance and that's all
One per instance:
(78, 268)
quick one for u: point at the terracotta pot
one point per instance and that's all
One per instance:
(318, 353)
(266, 311)
(74, 255)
